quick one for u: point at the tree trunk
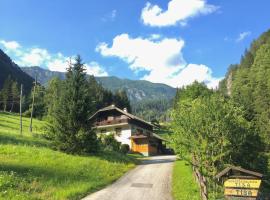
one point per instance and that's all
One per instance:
(11, 109)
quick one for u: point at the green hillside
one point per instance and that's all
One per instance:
(30, 169)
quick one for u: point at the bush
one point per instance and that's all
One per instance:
(124, 148)
(110, 143)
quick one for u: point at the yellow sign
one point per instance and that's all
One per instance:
(241, 192)
(242, 183)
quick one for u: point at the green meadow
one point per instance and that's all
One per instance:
(184, 184)
(30, 169)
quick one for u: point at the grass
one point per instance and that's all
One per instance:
(184, 184)
(30, 169)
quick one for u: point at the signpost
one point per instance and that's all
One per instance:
(240, 183)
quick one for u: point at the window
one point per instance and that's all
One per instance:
(110, 118)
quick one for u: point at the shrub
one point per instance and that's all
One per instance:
(124, 148)
(110, 143)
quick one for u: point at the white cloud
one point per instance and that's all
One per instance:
(93, 68)
(144, 54)
(162, 60)
(243, 35)
(178, 11)
(11, 45)
(41, 57)
(109, 16)
(59, 63)
(34, 57)
(113, 14)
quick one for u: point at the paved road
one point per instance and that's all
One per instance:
(151, 180)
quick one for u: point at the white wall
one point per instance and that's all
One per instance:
(124, 137)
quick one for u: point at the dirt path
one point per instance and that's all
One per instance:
(150, 180)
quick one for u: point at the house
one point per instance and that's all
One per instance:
(128, 129)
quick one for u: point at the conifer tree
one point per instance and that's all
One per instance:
(72, 131)
(15, 95)
(6, 93)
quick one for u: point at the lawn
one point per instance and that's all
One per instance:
(30, 169)
(184, 185)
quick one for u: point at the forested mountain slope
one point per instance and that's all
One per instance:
(9, 68)
(248, 83)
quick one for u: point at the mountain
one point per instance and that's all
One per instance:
(137, 90)
(9, 68)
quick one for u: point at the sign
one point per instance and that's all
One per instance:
(241, 192)
(240, 184)
(243, 183)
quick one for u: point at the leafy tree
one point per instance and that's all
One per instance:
(70, 128)
(210, 132)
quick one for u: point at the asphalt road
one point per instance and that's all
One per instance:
(150, 180)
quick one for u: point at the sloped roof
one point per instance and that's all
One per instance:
(113, 107)
(158, 137)
(229, 170)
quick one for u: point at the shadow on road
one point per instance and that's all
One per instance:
(157, 160)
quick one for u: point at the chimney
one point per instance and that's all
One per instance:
(125, 110)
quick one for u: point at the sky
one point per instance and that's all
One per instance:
(164, 41)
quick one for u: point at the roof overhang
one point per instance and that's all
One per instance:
(130, 116)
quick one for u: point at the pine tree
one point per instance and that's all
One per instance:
(6, 93)
(15, 95)
(121, 100)
(72, 131)
(96, 92)
(260, 84)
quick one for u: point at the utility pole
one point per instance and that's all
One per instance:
(33, 101)
(21, 109)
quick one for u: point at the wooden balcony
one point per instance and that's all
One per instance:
(111, 122)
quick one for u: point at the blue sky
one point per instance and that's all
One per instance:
(169, 41)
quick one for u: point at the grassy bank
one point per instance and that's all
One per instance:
(184, 185)
(30, 169)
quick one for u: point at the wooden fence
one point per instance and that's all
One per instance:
(201, 180)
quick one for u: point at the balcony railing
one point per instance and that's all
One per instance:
(111, 122)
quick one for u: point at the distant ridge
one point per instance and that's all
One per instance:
(136, 89)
